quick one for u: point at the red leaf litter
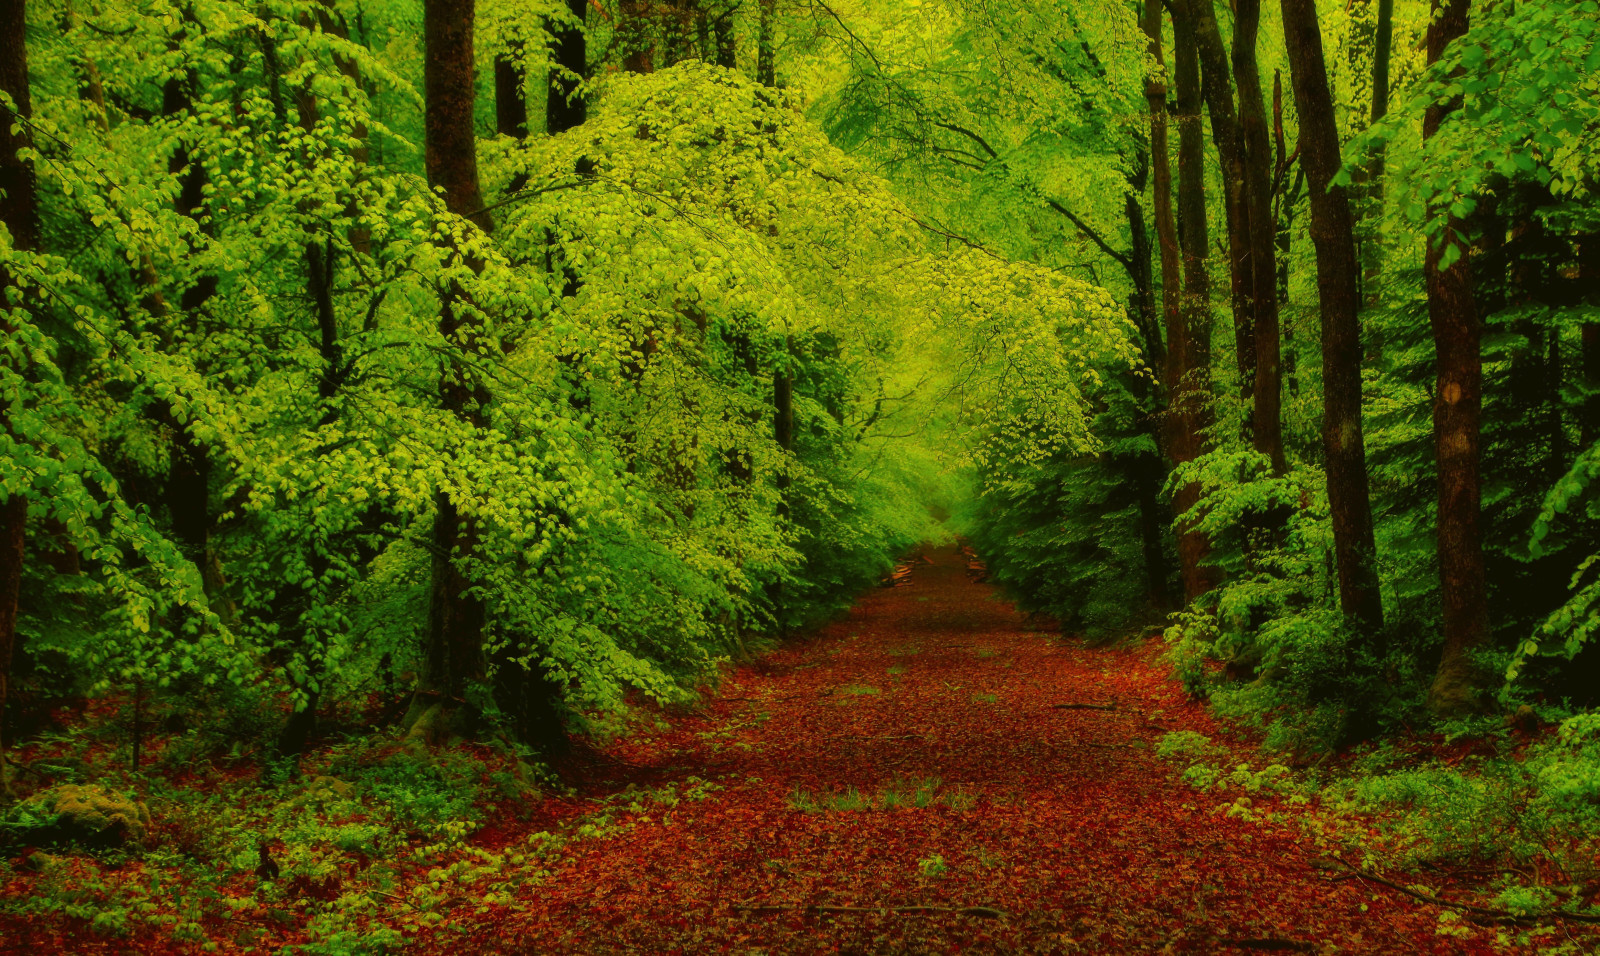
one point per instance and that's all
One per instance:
(1048, 825)
(1076, 838)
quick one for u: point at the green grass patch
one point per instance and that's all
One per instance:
(897, 794)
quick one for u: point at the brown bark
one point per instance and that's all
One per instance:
(1178, 347)
(1457, 411)
(1333, 235)
(1372, 206)
(766, 62)
(1190, 397)
(454, 651)
(727, 52)
(638, 47)
(510, 94)
(20, 214)
(1217, 89)
(565, 107)
(1256, 166)
(1589, 279)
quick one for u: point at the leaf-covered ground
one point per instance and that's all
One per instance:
(1056, 828)
(926, 775)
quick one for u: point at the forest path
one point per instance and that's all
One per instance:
(1064, 819)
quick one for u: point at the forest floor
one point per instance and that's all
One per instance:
(1047, 820)
(928, 774)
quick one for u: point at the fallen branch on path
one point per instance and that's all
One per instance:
(1148, 725)
(1269, 945)
(1488, 912)
(982, 912)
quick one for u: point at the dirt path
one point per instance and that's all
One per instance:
(1062, 819)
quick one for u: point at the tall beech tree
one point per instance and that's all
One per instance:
(1190, 401)
(1457, 419)
(565, 106)
(1256, 164)
(454, 644)
(20, 216)
(1333, 235)
(1217, 88)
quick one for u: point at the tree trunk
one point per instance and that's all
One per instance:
(1457, 411)
(510, 94)
(1263, 278)
(1190, 381)
(1333, 235)
(19, 212)
(722, 30)
(454, 651)
(1589, 280)
(1217, 88)
(766, 62)
(638, 47)
(565, 107)
(1372, 204)
(1175, 360)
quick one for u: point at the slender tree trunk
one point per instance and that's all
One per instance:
(638, 47)
(1589, 280)
(454, 652)
(19, 212)
(511, 103)
(189, 482)
(1190, 399)
(1372, 204)
(727, 45)
(1257, 169)
(1177, 357)
(1217, 88)
(565, 107)
(511, 94)
(766, 62)
(1457, 413)
(1333, 235)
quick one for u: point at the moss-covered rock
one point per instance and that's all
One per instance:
(93, 816)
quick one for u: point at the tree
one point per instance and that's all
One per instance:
(1190, 401)
(1457, 410)
(454, 656)
(20, 216)
(569, 67)
(1333, 234)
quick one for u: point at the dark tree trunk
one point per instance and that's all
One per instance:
(565, 107)
(19, 212)
(454, 650)
(1333, 235)
(1263, 279)
(638, 46)
(1190, 382)
(766, 61)
(1217, 88)
(727, 48)
(1589, 280)
(187, 494)
(511, 94)
(511, 103)
(1140, 270)
(1457, 413)
(1372, 205)
(1154, 518)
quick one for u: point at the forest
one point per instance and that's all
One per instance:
(799, 476)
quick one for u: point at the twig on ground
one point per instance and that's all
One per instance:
(983, 912)
(1486, 911)
(1076, 706)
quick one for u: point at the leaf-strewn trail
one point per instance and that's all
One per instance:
(1061, 818)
